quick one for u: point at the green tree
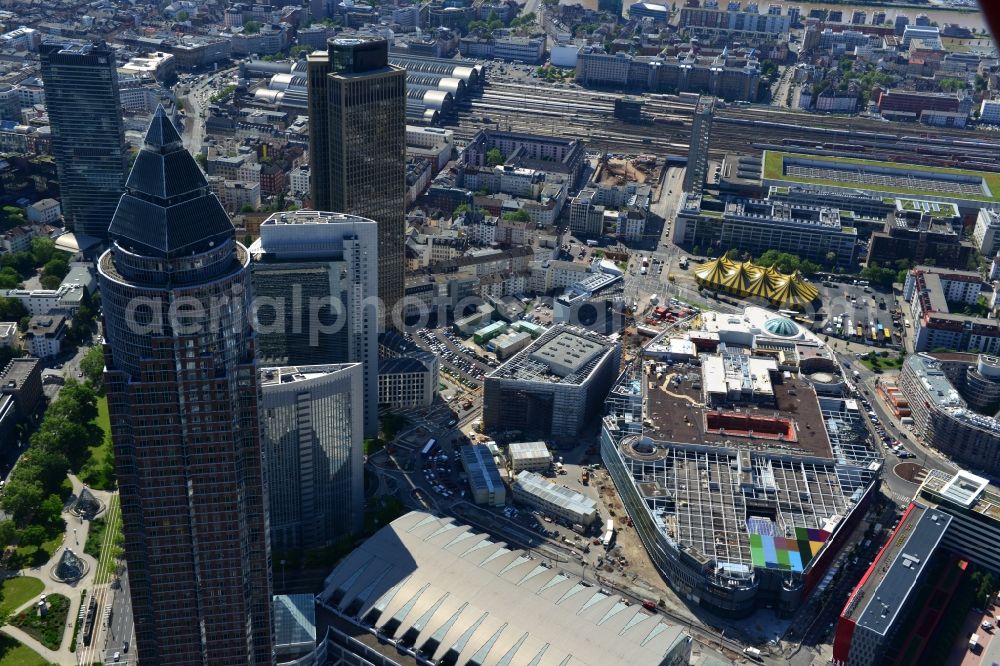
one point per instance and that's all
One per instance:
(952, 85)
(8, 532)
(251, 27)
(20, 497)
(9, 279)
(494, 157)
(10, 217)
(50, 512)
(883, 277)
(57, 267)
(50, 281)
(43, 250)
(33, 535)
(183, 16)
(92, 366)
(11, 309)
(201, 160)
(519, 215)
(47, 466)
(77, 401)
(22, 262)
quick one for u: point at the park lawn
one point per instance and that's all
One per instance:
(97, 472)
(17, 591)
(46, 630)
(13, 653)
(890, 362)
(37, 556)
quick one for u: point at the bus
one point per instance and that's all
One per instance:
(861, 331)
(888, 335)
(874, 335)
(428, 447)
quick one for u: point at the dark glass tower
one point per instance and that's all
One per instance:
(357, 146)
(183, 396)
(88, 140)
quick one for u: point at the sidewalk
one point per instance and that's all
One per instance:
(73, 591)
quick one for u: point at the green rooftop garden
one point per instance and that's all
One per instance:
(774, 170)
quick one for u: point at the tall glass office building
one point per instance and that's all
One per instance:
(182, 394)
(311, 419)
(315, 278)
(357, 145)
(88, 139)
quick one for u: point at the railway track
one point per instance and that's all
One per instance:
(576, 113)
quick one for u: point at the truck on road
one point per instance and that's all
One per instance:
(753, 653)
(974, 642)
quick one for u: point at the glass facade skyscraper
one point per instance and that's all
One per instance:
(357, 146)
(88, 139)
(315, 276)
(311, 419)
(183, 394)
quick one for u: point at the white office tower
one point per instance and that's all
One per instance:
(315, 281)
(311, 432)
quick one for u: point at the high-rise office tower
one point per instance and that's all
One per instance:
(701, 135)
(315, 276)
(182, 393)
(88, 139)
(357, 146)
(311, 429)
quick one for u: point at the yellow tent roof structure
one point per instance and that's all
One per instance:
(765, 283)
(746, 279)
(742, 275)
(714, 271)
(795, 291)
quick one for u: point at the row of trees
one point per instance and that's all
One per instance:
(37, 488)
(789, 263)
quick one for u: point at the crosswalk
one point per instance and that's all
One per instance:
(900, 498)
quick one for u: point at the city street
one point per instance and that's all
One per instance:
(121, 630)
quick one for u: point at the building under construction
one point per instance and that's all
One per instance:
(742, 481)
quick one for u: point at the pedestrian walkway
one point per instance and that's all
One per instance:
(74, 538)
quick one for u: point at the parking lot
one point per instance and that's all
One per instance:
(465, 365)
(848, 305)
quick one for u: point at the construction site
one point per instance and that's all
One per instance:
(641, 169)
(744, 493)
